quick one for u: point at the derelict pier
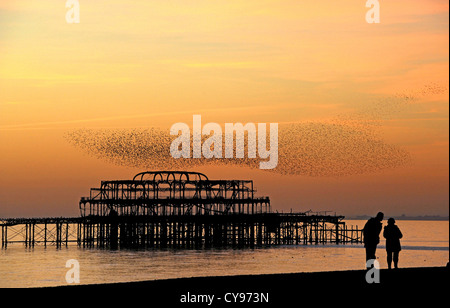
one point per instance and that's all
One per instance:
(178, 209)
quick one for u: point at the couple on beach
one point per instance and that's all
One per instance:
(391, 233)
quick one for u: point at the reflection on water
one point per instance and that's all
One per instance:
(425, 244)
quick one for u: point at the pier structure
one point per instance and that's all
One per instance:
(178, 209)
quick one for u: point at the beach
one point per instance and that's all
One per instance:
(281, 290)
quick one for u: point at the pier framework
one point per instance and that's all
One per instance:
(178, 209)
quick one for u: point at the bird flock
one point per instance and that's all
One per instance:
(344, 145)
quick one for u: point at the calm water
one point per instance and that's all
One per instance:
(425, 243)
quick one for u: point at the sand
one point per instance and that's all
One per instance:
(342, 288)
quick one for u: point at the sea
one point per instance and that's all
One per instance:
(424, 244)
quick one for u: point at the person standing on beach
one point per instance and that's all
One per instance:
(392, 234)
(371, 231)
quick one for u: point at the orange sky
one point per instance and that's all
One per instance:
(155, 63)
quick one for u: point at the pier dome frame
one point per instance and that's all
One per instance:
(161, 193)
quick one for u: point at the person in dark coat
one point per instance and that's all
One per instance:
(371, 231)
(392, 234)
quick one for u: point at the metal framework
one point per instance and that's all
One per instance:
(178, 209)
(173, 193)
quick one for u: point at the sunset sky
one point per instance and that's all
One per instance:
(137, 64)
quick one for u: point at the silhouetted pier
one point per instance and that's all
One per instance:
(178, 209)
